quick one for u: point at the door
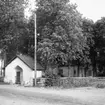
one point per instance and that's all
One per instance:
(18, 77)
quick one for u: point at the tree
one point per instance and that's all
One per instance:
(16, 35)
(99, 38)
(89, 52)
(59, 26)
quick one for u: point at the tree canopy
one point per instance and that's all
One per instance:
(60, 29)
(64, 37)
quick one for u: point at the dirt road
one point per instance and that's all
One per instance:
(13, 95)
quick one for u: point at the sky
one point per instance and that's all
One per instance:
(92, 9)
(30, 7)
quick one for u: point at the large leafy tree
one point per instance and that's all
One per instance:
(62, 33)
(15, 33)
(11, 12)
(59, 26)
(99, 38)
(89, 55)
(95, 33)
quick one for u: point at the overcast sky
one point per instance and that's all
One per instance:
(92, 9)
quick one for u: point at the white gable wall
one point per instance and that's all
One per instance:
(28, 74)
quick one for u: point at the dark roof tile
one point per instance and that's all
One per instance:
(29, 61)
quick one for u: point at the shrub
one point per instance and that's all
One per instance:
(100, 85)
(1, 79)
(51, 79)
(69, 82)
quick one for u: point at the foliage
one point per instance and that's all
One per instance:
(11, 15)
(1, 79)
(100, 85)
(81, 82)
(75, 82)
(99, 46)
(90, 53)
(51, 79)
(95, 33)
(61, 38)
(16, 35)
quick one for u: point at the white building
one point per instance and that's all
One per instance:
(20, 70)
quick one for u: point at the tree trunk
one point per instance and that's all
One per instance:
(94, 70)
(69, 71)
(86, 69)
(78, 69)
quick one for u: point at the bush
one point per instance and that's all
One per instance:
(51, 79)
(100, 85)
(1, 79)
(69, 82)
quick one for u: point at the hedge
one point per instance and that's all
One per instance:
(69, 82)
